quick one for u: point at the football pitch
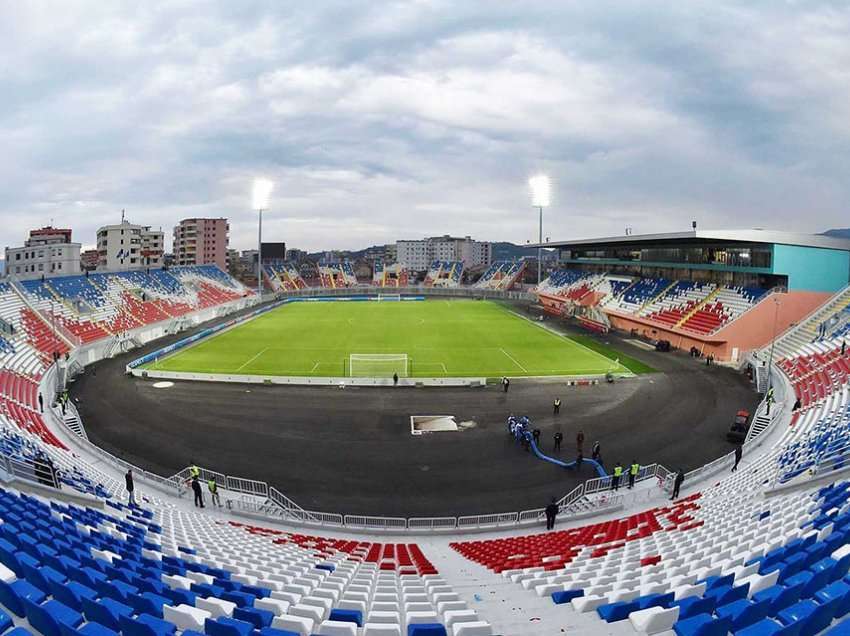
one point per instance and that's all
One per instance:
(441, 338)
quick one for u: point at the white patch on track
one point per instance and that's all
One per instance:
(163, 385)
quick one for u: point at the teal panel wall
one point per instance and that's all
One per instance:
(812, 268)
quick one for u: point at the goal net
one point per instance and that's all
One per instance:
(389, 297)
(377, 365)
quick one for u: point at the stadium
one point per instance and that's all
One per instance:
(358, 436)
(382, 426)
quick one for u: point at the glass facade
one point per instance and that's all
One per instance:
(744, 256)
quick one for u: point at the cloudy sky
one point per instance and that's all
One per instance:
(386, 120)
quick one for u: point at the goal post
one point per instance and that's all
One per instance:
(378, 365)
(383, 297)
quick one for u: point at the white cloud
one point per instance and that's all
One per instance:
(391, 120)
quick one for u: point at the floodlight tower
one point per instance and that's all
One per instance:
(262, 192)
(541, 192)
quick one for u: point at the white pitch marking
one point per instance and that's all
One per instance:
(245, 364)
(514, 360)
(315, 366)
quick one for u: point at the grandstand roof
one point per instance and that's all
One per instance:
(712, 236)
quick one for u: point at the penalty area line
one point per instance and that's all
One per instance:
(514, 360)
(254, 357)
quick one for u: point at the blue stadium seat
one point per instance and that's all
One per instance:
(106, 611)
(426, 629)
(559, 598)
(347, 616)
(259, 618)
(743, 613)
(13, 595)
(613, 612)
(146, 625)
(47, 618)
(693, 605)
(703, 625)
(89, 629)
(837, 590)
(5, 622)
(768, 627)
(224, 626)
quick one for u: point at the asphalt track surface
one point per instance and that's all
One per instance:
(351, 451)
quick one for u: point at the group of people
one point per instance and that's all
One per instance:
(212, 486)
(518, 426)
(695, 352)
(194, 481)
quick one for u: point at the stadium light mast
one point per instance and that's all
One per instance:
(541, 194)
(261, 193)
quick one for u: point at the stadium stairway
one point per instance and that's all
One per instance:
(800, 338)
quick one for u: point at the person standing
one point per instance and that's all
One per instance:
(596, 451)
(507, 384)
(214, 496)
(40, 403)
(843, 346)
(634, 469)
(551, 513)
(618, 473)
(769, 400)
(199, 494)
(677, 484)
(556, 407)
(130, 486)
(580, 440)
(559, 437)
(395, 379)
(536, 435)
(739, 451)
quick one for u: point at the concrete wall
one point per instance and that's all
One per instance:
(754, 329)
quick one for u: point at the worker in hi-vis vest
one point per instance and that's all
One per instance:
(618, 473)
(633, 472)
(214, 496)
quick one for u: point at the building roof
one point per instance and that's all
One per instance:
(710, 236)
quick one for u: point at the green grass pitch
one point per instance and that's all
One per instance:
(442, 338)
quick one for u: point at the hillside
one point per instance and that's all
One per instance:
(839, 233)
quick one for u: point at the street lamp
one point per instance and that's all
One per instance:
(262, 192)
(541, 190)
